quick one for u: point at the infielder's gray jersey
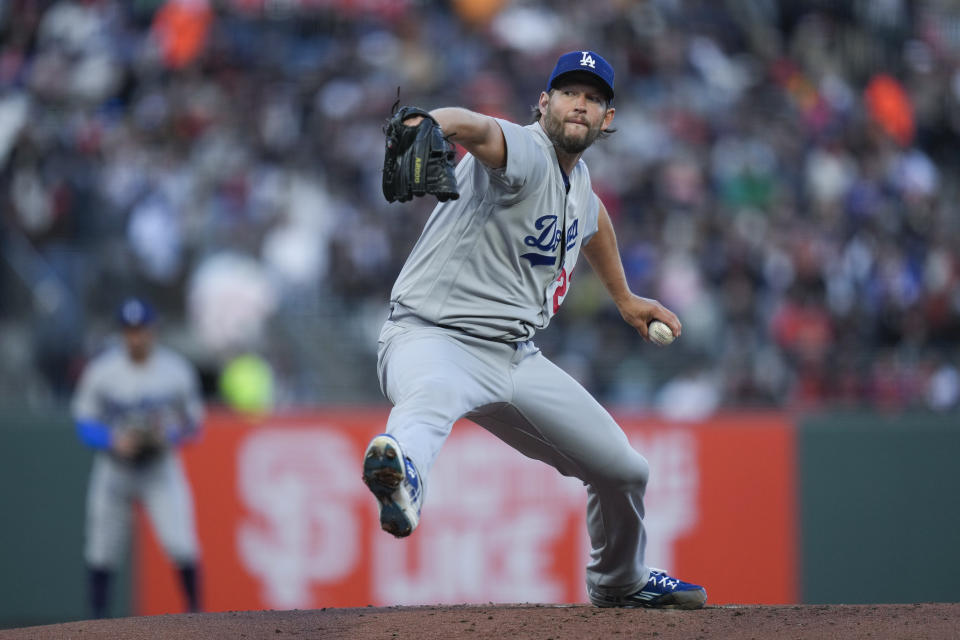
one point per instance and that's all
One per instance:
(491, 263)
(123, 394)
(161, 392)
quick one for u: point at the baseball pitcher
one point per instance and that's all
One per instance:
(492, 266)
(134, 405)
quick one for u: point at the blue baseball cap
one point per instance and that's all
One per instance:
(135, 312)
(584, 62)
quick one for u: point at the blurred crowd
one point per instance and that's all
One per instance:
(784, 176)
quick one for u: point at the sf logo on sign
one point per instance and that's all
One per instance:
(587, 60)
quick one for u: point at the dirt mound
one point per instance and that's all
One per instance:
(533, 622)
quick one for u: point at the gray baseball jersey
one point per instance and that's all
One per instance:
(488, 271)
(161, 392)
(122, 394)
(492, 263)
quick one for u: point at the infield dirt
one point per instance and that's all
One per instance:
(533, 622)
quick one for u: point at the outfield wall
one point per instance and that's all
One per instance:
(880, 507)
(839, 508)
(286, 522)
(43, 481)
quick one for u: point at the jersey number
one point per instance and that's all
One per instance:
(561, 290)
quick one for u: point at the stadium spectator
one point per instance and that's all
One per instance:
(765, 149)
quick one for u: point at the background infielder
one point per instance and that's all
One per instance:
(488, 271)
(134, 405)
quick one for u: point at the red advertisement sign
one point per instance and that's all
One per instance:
(286, 523)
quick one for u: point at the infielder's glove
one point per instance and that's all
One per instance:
(418, 159)
(150, 444)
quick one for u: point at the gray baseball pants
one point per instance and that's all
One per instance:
(162, 487)
(434, 376)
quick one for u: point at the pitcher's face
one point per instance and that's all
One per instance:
(573, 115)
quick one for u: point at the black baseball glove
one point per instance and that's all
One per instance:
(418, 159)
(150, 444)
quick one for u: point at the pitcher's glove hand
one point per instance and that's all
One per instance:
(418, 159)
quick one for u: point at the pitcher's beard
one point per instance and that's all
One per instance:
(567, 143)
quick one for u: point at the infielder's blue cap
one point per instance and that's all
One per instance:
(135, 312)
(585, 62)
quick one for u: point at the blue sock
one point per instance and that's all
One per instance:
(189, 580)
(99, 583)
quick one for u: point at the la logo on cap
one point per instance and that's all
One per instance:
(586, 62)
(133, 312)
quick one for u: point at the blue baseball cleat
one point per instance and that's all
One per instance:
(393, 479)
(660, 592)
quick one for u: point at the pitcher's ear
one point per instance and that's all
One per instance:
(608, 119)
(544, 101)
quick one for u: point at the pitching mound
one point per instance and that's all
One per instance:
(533, 622)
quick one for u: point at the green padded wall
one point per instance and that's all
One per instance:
(880, 508)
(43, 483)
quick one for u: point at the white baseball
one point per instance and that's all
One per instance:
(660, 333)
